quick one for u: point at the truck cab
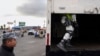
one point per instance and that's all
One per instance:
(86, 38)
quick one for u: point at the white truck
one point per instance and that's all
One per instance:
(87, 41)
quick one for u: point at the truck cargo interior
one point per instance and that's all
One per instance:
(87, 35)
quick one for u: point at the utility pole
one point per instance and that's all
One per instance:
(14, 22)
(44, 24)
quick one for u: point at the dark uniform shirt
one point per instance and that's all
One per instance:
(5, 51)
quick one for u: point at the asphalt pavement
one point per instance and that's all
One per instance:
(29, 46)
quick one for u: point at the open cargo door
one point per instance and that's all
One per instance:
(88, 31)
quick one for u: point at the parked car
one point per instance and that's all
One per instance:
(42, 33)
(31, 32)
(17, 30)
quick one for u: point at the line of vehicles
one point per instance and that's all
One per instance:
(37, 33)
(20, 31)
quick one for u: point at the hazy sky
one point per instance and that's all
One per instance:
(33, 12)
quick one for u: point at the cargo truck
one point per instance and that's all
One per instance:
(86, 38)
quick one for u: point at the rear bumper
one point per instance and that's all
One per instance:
(75, 53)
(72, 52)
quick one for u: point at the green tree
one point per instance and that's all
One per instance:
(1, 27)
(4, 26)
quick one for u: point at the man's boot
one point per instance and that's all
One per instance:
(62, 45)
(68, 44)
